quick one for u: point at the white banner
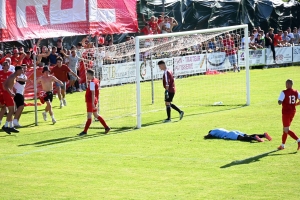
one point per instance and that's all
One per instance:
(256, 57)
(296, 54)
(283, 55)
(191, 64)
(115, 74)
(120, 73)
(218, 61)
(145, 68)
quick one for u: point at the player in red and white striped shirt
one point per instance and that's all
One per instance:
(91, 99)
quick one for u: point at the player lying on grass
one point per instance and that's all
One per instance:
(235, 135)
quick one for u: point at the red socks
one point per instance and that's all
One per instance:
(284, 137)
(293, 135)
(87, 125)
(102, 122)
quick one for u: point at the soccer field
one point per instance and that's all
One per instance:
(159, 161)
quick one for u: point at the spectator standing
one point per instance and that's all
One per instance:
(230, 51)
(296, 39)
(286, 39)
(259, 43)
(27, 60)
(73, 63)
(270, 42)
(60, 71)
(53, 56)
(146, 30)
(173, 23)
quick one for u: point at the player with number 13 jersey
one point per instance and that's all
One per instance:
(288, 99)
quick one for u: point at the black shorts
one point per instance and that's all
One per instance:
(49, 96)
(19, 100)
(171, 96)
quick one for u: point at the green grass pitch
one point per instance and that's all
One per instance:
(159, 161)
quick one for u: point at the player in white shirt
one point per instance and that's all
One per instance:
(19, 96)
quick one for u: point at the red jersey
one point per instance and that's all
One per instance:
(276, 39)
(146, 31)
(289, 99)
(229, 47)
(15, 60)
(61, 72)
(3, 77)
(27, 61)
(93, 85)
(154, 26)
(168, 79)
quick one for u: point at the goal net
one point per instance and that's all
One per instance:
(209, 75)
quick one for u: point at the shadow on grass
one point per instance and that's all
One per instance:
(76, 138)
(253, 159)
(226, 108)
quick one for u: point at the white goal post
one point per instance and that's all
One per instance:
(198, 35)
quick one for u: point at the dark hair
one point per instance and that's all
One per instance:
(23, 65)
(79, 44)
(290, 81)
(54, 47)
(161, 62)
(59, 58)
(5, 62)
(91, 72)
(18, 68)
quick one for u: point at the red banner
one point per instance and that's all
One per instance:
(20, 20)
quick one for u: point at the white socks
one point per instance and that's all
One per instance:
(9, 124)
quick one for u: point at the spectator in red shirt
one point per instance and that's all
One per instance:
(153, 24)
(230, 51)
(27, 60)
(146, 30)
(278, 39)
(16, 59)
(61, 71)
(7, 55)
(159, 19)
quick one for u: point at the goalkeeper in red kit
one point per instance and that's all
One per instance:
(288, 99)
(91, 99)
(169, 85)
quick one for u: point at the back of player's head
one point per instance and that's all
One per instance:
(161, 62)
(46, 69)
(59, 58)
(90, 72)
(18, 68)
(290, 81)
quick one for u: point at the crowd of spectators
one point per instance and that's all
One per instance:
(83, 55)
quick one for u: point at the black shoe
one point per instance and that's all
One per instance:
(13, 130)
(82, 133)
(5, 129)
(181, 115)
(107, 130)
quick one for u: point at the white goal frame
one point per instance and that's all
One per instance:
(137, 58)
